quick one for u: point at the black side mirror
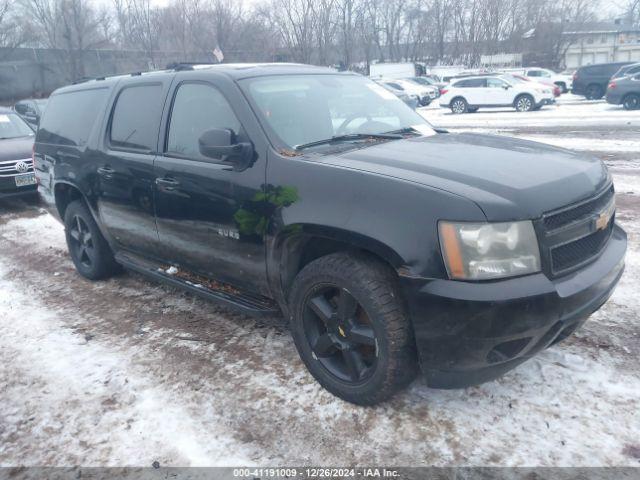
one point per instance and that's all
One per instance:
(220, 144)
(506, 87)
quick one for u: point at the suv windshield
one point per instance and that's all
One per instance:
(302, 109)
(12, 126)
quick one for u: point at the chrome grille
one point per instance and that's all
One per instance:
(8, 167)
(575, 235)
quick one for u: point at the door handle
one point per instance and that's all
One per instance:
(167, 184)
(106, 172)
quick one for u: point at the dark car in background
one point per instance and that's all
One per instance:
(31, 110)
(625, 91)
(16, 147)
(592, 80)
(627, 70)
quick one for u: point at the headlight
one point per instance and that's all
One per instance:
(482, 251)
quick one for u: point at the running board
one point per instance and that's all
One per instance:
(248, 303)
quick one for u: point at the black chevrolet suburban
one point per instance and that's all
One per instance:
(389, 246)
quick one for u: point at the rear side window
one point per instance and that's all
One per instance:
(136, 118)
(471, 83)
(70, 117)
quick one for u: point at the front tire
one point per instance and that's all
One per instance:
(459, 105)
(524, 103)
(631, 101)
(88, 249)
(351, 328)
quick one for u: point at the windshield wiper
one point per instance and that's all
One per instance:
(347, 137)
(403, 131)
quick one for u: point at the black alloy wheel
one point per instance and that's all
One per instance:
(89, 250)
(340, 334)
(81, 244)
(351, 328)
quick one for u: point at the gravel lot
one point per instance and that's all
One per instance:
(129, 372)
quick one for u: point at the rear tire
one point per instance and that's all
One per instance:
(351, 328)
(524, 103)
(631, 101)
(88, 249)
(459, 105)
(594, 92)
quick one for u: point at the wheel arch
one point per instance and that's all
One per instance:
(302, 244)
(64, 193)
(458, 97)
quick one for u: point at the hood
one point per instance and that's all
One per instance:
(16, 148)
(509, 179)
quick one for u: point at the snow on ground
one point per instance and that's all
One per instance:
(128, 372)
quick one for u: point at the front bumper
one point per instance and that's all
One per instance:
(468, 333)
(546, 101)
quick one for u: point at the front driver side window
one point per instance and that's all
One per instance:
(197, 107)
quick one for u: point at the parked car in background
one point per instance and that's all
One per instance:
(426, 93)
(630, 69)
(471, 93)
(411, 100)
(592, 80)
(544, 75)
(424, 81)
(557, 91)
(31, 110)
(16, 147)
(625, 91)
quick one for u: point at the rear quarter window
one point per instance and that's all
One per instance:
(136, 118)
(70, 116)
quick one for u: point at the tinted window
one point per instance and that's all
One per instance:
(69, 117)
(534, 73)
(136, 117)
(471, 83)
(197, 108)
(12, 126)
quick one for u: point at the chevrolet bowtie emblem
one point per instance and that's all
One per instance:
(603, 219)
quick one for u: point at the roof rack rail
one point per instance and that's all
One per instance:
(180, 66)
(104, 77)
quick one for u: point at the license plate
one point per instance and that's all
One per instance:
(24, 180)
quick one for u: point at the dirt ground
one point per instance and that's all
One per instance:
(130, 372)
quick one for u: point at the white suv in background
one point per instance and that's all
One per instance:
(470, 93)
